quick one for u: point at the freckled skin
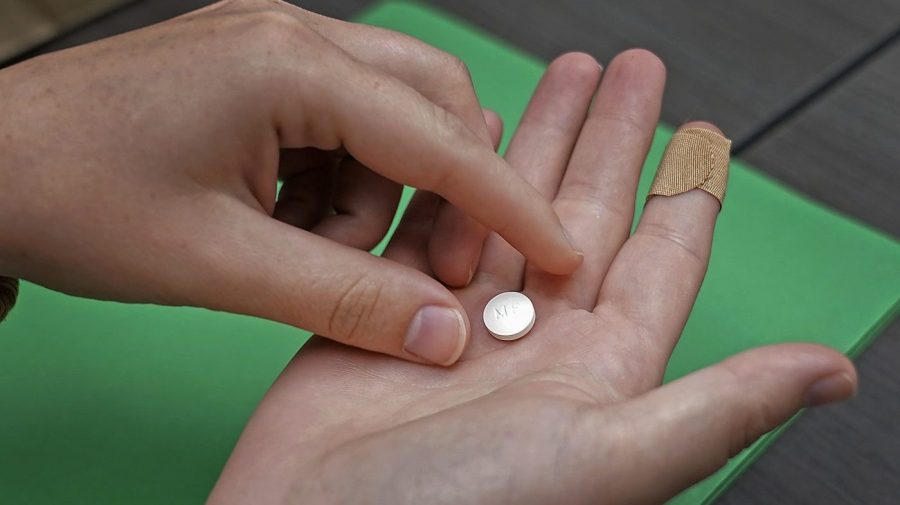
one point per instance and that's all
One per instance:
(143, 168)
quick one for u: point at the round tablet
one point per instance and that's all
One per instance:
(509, 316)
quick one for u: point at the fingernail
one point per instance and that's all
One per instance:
(830, 389)
(436, 334)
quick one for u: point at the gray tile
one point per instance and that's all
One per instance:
(22, 26)
(846, 454)
(844, 149)
(733, 62)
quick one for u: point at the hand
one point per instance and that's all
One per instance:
(143, 168)
(573, 412)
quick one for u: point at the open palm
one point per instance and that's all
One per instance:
(574, 411)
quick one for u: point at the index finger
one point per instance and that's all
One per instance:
(392, 129)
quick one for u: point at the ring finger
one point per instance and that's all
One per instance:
(654, 279)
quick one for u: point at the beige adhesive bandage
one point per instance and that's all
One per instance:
(696, 158)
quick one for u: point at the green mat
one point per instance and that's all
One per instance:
(111, 403)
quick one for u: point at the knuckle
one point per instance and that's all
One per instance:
(230, 4)
(353, 309)
(677, 240)
(450, 126)
(441, 70)
(756, 423)
(457, 69)
(583, 198)
(273, 39)
(753, 415)
(246, 5)
(629, 126)
(449, 129)
(262, 26)
(274, 23)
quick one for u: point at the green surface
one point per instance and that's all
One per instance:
(111, 403)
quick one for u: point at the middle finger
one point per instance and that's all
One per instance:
(595, 201)
(539, 151)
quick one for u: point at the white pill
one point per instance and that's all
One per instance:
(509, 316)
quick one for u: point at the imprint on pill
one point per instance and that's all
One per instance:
(509, 315)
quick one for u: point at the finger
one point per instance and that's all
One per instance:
(410, 242)
(295, 161)
(654, 279)
(595, 200)
(439, 76)
(676, 435)
(540, 149)
(444, 79)
(364, 205)
(398, 133)
(248, 263)
(305, 197)
(495, 127)
(454, 247)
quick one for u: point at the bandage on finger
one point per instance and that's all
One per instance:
(696, 158)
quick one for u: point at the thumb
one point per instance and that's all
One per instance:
(685, 430)
(262, 267)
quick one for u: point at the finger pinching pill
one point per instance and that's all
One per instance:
(509, 315)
